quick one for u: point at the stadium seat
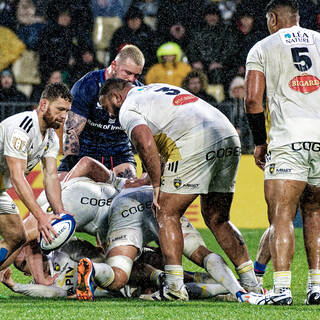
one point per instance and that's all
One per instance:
(25, 69)
(103, 30)
(217, 91)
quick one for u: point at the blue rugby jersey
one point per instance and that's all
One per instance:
(102, 137)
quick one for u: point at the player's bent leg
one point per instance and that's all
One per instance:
(120, 259)
(14, 237)
(310, 209)
(215, 208)
(263, 256)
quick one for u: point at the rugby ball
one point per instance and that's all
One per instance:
(64, 227)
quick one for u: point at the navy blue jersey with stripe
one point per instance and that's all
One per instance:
(102, 137)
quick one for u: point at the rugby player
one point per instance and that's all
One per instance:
(27, 138)
(286, 64)
(131, 225)
(89, 130)
(201, 150)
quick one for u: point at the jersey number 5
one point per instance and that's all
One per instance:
(300, 58)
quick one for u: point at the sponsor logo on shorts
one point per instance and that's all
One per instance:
(223, 153)
(283, 170)
(182, 99)
(305, 83)
(13, 206)
(191, 185)
(139, 208)
(272, 167)
(177, 183)
(96, 202)
(308, 146)
(123, 237)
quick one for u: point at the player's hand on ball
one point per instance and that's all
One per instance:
(64, 212)
(45, 228)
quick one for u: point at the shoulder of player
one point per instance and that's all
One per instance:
(89, 83)
(24, 122)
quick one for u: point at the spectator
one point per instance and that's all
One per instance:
(136, 32)
(148, 7)
(29, 24)
(186, 12)
(107, 8)
(196, 83)
(8, 14)
(56, 48)
(81, 24)
(228, 8)
(9, 93)
(247, 35)
(212, 46)
(85, 62)
(55, 77)
(233, 108)
(170, 68)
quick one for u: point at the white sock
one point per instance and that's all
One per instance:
(281, 279)
(203, 277)
(104, 275)
(174, 276)
(204, 290)
(218, 269)
(246, 274)
(313, 278)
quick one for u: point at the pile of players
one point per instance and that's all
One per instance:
(188, 149)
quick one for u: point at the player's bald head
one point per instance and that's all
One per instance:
(113, 84)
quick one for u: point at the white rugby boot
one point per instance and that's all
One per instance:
(313, 295)
(283, 297)
(167, 294)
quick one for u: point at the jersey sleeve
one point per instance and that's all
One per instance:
(38, 290)
(255, 59)
(15, 143)
(129, 118)
(53, 146)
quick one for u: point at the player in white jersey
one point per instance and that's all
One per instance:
(201, 149)
(130, 226)
(25, 139)
(287, 65)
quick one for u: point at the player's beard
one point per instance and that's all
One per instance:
(50, 121)
(115, 110)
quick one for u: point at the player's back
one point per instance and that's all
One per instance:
(290, 60)
(174, 114)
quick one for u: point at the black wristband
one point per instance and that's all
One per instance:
(257, 125)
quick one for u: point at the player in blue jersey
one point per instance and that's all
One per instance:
(89, 130)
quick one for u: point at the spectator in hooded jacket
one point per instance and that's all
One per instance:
(136, 32)
(170, 68)
(10, 93)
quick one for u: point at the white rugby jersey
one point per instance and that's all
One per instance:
(290, 61)
(20, 137)
(181, 123)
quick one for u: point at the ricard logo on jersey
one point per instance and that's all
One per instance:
(290, 38)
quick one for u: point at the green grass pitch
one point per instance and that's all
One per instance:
(14, 306)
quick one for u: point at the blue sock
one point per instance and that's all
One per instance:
(3, 255)
(259, 268)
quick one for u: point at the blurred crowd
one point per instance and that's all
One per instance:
(200, 45)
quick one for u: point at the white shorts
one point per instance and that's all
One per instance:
(210, 170)
(297, 161)
(7, 205)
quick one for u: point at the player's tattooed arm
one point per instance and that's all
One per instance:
(72, 129)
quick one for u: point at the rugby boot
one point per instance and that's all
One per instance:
(313, 295)
(283, 297)
(167, 294)
(85, 290)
